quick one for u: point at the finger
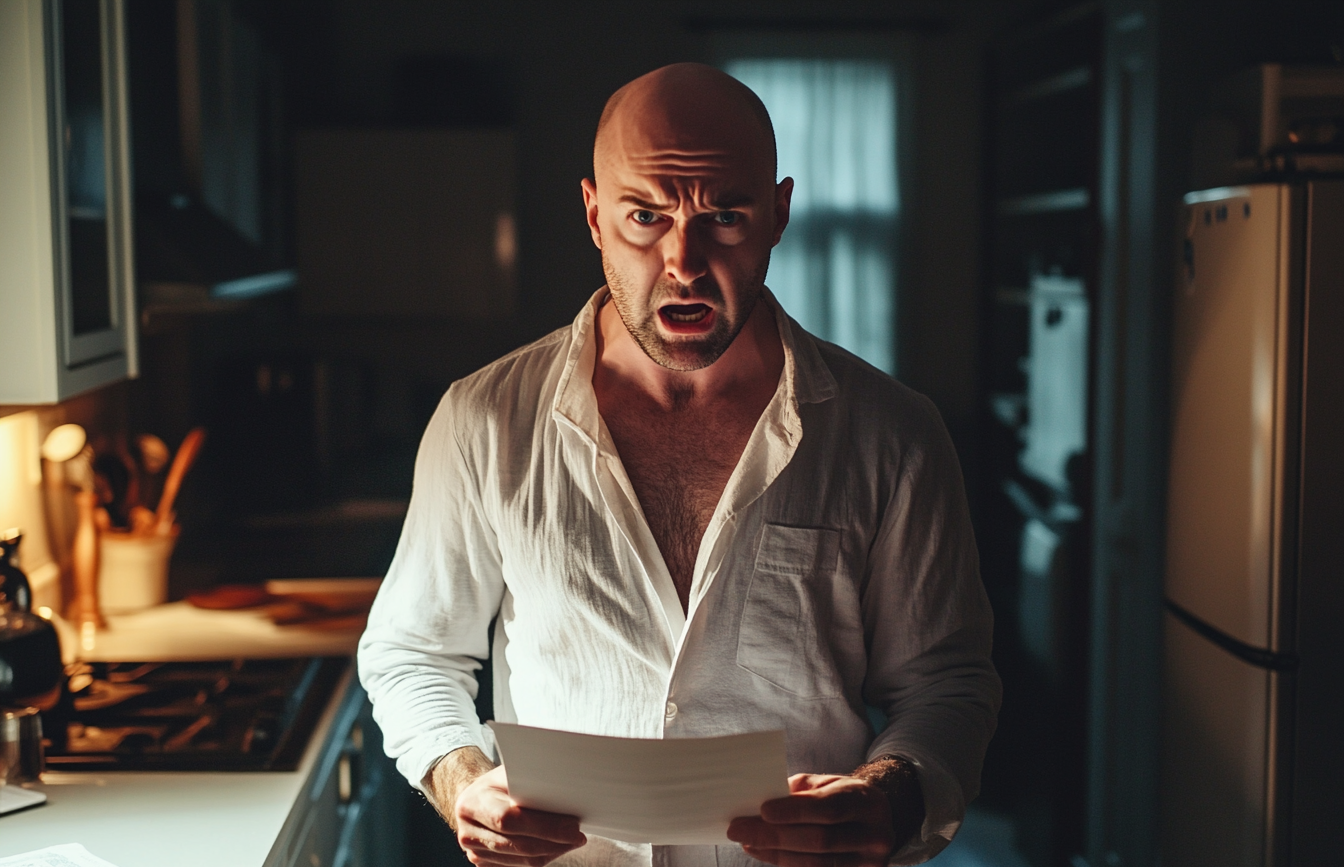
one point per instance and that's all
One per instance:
(503, 816)
(476, 838)
(785, 858)
(807, 782)
(853, 837)
(749, 829)
(493, 859)
(490, 859)
(822, 806)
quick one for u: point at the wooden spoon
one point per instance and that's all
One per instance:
(182, 461)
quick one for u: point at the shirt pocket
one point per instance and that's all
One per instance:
(786, 617)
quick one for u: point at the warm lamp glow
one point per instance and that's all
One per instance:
(21, 502)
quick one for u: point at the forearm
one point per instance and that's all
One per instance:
(897, 778)
(422, 702)
(450, 775)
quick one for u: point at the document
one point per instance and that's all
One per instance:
(65, 855)
(638, 790)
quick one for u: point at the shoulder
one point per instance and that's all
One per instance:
(886, 437)
(507, 396)
(875, 402)
(521, 377)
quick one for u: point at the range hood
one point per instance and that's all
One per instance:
(184, 251)
(207, 148)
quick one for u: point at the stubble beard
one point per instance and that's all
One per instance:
(686, 353)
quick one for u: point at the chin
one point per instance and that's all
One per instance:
(685, 355)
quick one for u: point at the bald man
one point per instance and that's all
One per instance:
(689, 517)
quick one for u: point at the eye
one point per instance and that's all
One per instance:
(727, 218)
(645, 218)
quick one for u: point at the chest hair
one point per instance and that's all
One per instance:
(679, 463)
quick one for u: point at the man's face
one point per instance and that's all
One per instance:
(685, 234)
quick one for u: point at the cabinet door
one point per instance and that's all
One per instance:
(89, 180)
(67, 319)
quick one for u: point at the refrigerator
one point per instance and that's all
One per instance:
(1253, 673)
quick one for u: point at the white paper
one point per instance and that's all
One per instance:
(677, 790)
(65, 855)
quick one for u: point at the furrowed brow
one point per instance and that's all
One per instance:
(632, 199)
(729, 201)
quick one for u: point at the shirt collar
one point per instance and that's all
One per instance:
(805, 379)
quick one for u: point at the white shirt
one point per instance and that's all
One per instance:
(838, 570)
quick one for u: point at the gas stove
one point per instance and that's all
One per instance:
(238, 715)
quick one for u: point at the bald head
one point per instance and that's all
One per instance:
(684, 206)
(686, 107)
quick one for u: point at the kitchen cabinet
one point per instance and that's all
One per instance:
(352, 812)
(67, 323)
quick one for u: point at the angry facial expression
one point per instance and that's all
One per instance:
(685, 218)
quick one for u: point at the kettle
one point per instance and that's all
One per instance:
(30, 653)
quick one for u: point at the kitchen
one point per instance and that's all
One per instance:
(317, 215)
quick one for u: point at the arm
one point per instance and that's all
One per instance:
(929, 628)
(927, 623)
(428, 627)
(472, 795)
(418, 659)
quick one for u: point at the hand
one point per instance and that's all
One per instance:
(827, 821)
(493, 830)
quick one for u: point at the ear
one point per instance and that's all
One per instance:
(783, 196)
(590, 206)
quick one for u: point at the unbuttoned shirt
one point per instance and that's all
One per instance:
(838, 572)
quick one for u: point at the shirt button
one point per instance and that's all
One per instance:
(670, 711)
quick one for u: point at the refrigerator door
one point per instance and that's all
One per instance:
(1228, 357)
(1215, 754)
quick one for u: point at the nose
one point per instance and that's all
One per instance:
(683, 254)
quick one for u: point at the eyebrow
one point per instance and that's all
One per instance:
(632, 199)
(723, 203)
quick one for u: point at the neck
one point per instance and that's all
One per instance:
(752, 361)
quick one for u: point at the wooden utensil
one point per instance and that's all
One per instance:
(231, 596)
(85, 556)
(153, 453)
(143, 521)
(182, 461)
(321, 607)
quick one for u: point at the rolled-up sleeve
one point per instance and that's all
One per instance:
(428, 629)
(929, 627)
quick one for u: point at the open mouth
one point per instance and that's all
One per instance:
(686, 318)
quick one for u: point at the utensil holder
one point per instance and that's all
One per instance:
(133, 570)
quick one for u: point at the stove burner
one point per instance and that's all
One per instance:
(253, 714)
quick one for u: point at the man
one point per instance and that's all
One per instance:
(690, 518)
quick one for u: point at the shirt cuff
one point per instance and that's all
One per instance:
(944, 805)
(416, 763)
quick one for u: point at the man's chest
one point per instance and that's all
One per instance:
(686, 461)
(679, 466)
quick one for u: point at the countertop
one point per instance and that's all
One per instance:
(180, 631)
(172, 819)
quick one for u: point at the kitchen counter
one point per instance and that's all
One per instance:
(171, 819)
(309, 817)
(180, 631)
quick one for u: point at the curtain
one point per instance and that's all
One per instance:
(835, 124)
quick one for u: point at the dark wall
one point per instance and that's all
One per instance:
(1205, 41)
(552, 66)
